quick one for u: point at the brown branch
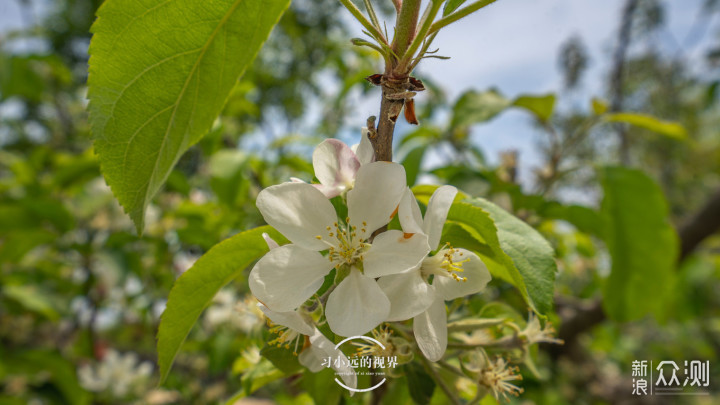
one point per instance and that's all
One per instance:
(701, 225)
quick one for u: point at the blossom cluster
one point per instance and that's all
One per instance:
(380, 275)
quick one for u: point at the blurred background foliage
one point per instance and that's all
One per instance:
(81, 293)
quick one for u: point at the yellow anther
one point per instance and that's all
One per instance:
(318, 237)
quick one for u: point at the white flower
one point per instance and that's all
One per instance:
(497, 376)
(336, 164)
(534, 333)
(411, 294)
(117, 373)
(288, 275)
(291, 327)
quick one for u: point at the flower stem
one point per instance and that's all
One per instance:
(507, 342)
(439, 381)
(376, 33)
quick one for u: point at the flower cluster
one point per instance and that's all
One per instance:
(380, 275)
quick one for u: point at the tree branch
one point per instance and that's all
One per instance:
(701, 225)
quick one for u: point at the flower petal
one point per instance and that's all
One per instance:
(409, 213)
(298, 211)
(430, 329)
(312, 359)
(287, 276)
(409, 294)
(335, 165)
(474, 270)
(436, 213)
(356, 306)
(364, 151)
(379, 186)
(270, 241)
(323, 345)
(394, 252)
(290, 319)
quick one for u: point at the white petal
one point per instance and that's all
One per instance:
(335, 164)
(430, 329)
(298, 211)
(379, 186)
(319, 342)
(290, 319)
(356, 306)
(312, 359)
(287, 276)
(409, 213)
(409, 294)
(270, 241)
(436, 213)
(394, 252)
(474, 270)
(330, 191)
(364, 151)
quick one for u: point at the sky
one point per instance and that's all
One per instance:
(512, 45)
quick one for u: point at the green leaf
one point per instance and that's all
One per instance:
(412, 162)
(642, 243)
(452, 5)
(45, 366)
(322, 386)
(599, 106)
(583, 218)
(32, 299)
(511, 249)
(282, 359)
(532, 254)
(541, 106)
(259, 376)
(474, 107)
(226, 174)
(668, 128)
(194, 290)
(420, 384)
(160, 72)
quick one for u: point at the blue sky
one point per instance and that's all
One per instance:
(513, 45)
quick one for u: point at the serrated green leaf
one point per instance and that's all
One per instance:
(642, 243)
(532, 254)
(194, 290)
(472, 228)
(160, 72)
(668, 128)
(541, 106)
